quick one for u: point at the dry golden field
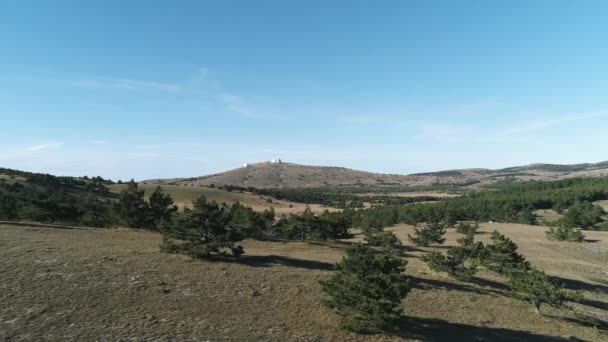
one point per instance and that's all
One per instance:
(184, 195)
(114, 284)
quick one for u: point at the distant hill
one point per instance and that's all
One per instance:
(289, 175)
(277, 175)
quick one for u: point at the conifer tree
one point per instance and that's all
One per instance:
(536, 287)
(131, 207)
(160, 206)
(427, 235)
(501, 256)
(384, 241)
(367, 288)
(201, 232)
(564, 233)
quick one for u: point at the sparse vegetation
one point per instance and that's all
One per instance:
(428, 234)
(367, 288)
(536, 287)
(201, 232)
(467, 228)
(384, 241)
(565, 234)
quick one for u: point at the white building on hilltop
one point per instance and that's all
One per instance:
(272, 161)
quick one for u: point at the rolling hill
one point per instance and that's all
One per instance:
(289, 175)
(277, 175)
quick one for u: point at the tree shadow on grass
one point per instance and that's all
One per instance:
(594, 303)
(436, 330)
(425, 284)
(276, 260)
(580, 285)
(490, 283)
(587, 321)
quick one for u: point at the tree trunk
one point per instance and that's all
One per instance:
(537, 307)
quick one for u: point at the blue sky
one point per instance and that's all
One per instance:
(146, 89)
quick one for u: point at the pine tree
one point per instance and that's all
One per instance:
(501, 256)
(160, 207)
(131, 207)
(366, 289)
(467, 228)
(461, 261)
(384, 241)
(427, 235)
(201, 232)
(565, 234)
(536, 287)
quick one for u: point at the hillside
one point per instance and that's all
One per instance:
(48, 198)
(57, 283)
(184, 195)
(288, 175)
(277, 175)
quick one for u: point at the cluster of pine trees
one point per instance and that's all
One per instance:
(501, 256)
(515, 203)
(332, 197)
(47, 198)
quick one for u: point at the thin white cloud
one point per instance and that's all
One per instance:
(542, 123)
(236, 104)
(126, 84)
(44, 146)
(99, 142)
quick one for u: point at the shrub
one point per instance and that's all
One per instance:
(536, 287)
(366, 289)
(201, 232)
(461, 261)
(427, 235)
(452, 265)
(565, 234)
(467, 228)
(385, 241)
(582, 215)
(501, 256)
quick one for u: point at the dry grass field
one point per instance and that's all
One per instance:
(101, 284)
(184, 195)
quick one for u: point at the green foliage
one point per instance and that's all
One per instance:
(160, 207)
(461, 261)
(308, 226)
(565, 234)
(536, 287)
(131, 208)
(581, 215)
(467, 228)
(96, 213)
(46, 198)
(384, 241)
(337, 197)
(201, 232)
(603, 226)
(429, 234)
(501, 256)
(513, 203)
(367, 288)
(454, 265)
(250, 223)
